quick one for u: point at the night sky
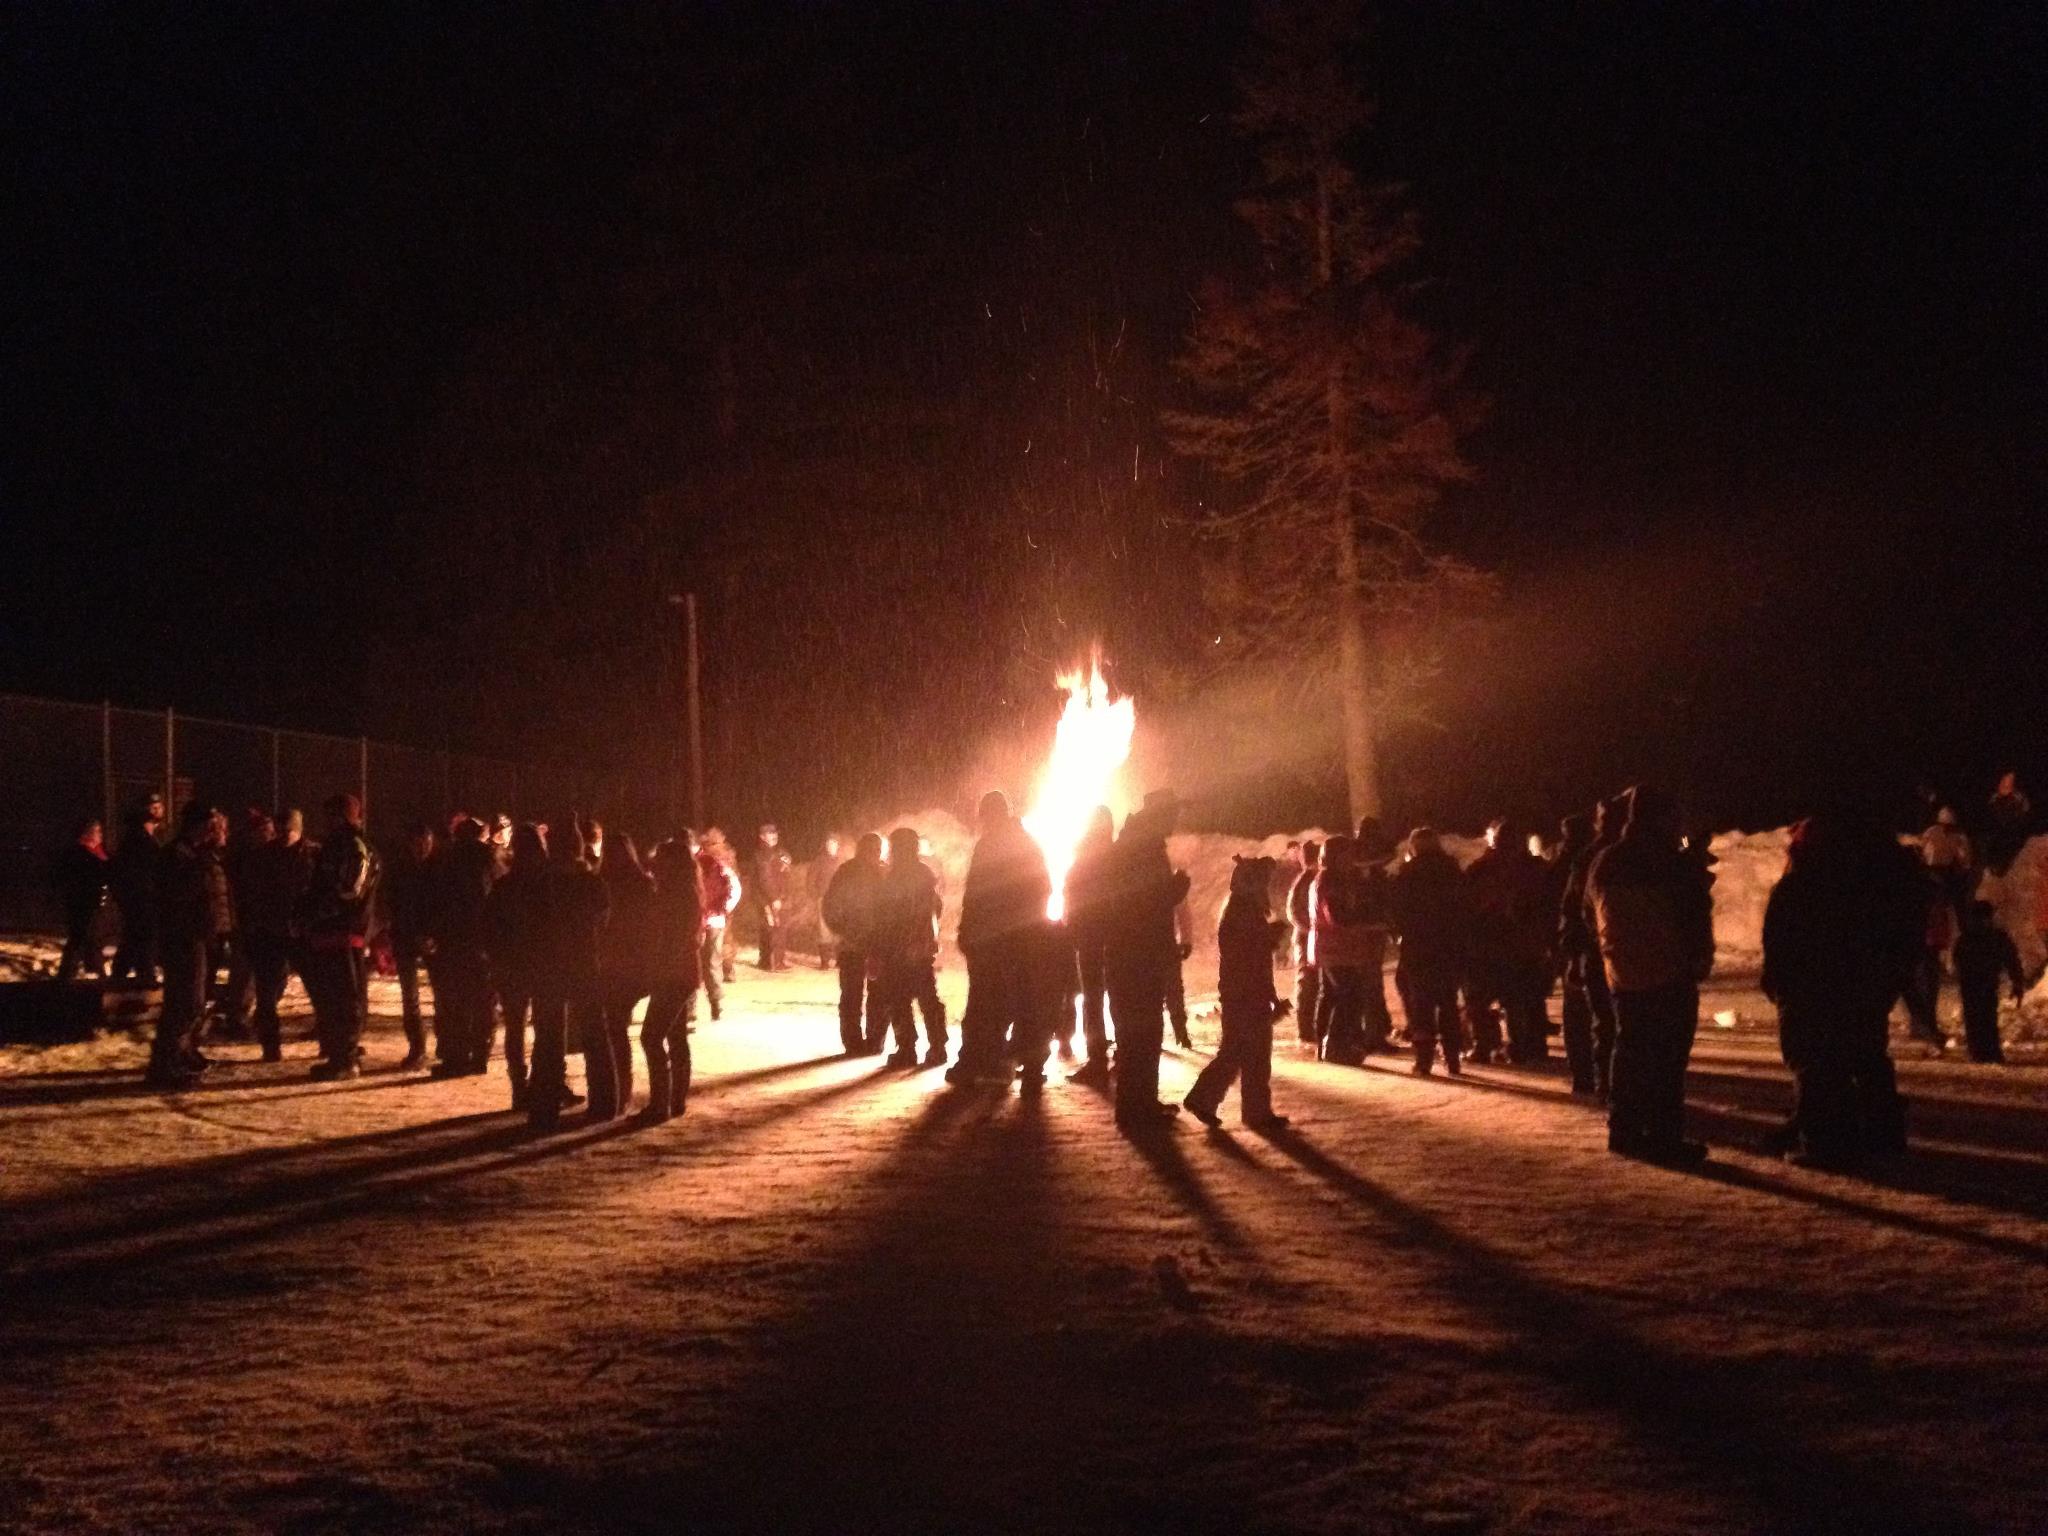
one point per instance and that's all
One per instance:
(383, 367)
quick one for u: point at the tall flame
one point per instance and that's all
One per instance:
(1093, 739)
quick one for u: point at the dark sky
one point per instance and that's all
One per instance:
(380, 367)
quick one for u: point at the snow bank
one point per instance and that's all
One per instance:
(1750, 864)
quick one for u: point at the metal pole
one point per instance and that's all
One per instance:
(693, 679)
(276, 778)
(107, 768)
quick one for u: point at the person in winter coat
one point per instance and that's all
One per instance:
(193, 914)
(1144, 889)
(626, 957)
(850, 910)
(1176, 980)
(1244, 943)
(80, 875)
(1575, 835)
(721, 897)
(2011, 821)
(336, 922)
(1653, 915)
(904, 943)
(817, 881)
(516, 945)
(1591, 1052)
(1347, 946)
(457, 897)
(407, 896)
(1308, 981)
(1512, 911)
(673, 972)
(1985, 957)
(131, 881)
(770, 893)
(1923, 988)
(1841, 931)
(1945, 849)
(1086, 921)
(576, 907)
(1429, 915)
(268, 884)
(1003, 937)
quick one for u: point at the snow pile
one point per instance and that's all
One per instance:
(1750, 863)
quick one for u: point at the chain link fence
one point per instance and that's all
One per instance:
(62, 763)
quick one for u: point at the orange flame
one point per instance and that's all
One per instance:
(1090, 745)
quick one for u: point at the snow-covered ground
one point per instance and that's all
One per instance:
(834, 1298)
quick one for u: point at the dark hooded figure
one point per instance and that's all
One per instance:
(1429, 915)
(516, 941)
(576, 907)
(906, 949)
(1575, 836)
(1244, 945)
(1653, 915)
(625, 968)
(1086, 922)
(850, 910)
(407, 892)
(80, 876)
(193, 915)
(770, 892)
(673, 971)
(131, 881)
(1141, 950)
(1003, 936)
(459, 881)
(1593, 1072)
(1508, 893)
(1841, 934)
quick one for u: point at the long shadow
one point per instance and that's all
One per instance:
(1703, 1411)
(150, 1183)
(220, 1080)
(1903, 1221)
(331, 1193)
(1161, 1154)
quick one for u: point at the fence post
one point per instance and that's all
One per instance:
(363, 775)
(107, 767)
(276, 779)
(170, 763)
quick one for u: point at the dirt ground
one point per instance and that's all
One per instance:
(837, 1298)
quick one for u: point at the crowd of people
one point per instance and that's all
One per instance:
(565, 936)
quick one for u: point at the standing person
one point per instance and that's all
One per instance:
(131, 880)
(80, 876)
(407, 893)
(458, 894)
(850, 908)
(673, 960)
(1653, 915)
(905, 940)
(721, 897)
(336, 921)
(516, 944)
(1285, 869)
(1923, 987)
(1429, 913)
(1840, 934)
(1510, 903)
(1301, 913)
(193, 915)
(1002, 921)
(575, 908)
(1342, 947)
(818, 880)
(1176, 980)
(1945, 849)
(2011, 820)
(1593, 1069)
(1575, 836)
(1085, 919)
(1144, 890)
(771, 897)
(268, 883)
(1244, 944)
(1985, 957)
(626, 959)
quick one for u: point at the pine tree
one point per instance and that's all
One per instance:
(1330, 414)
